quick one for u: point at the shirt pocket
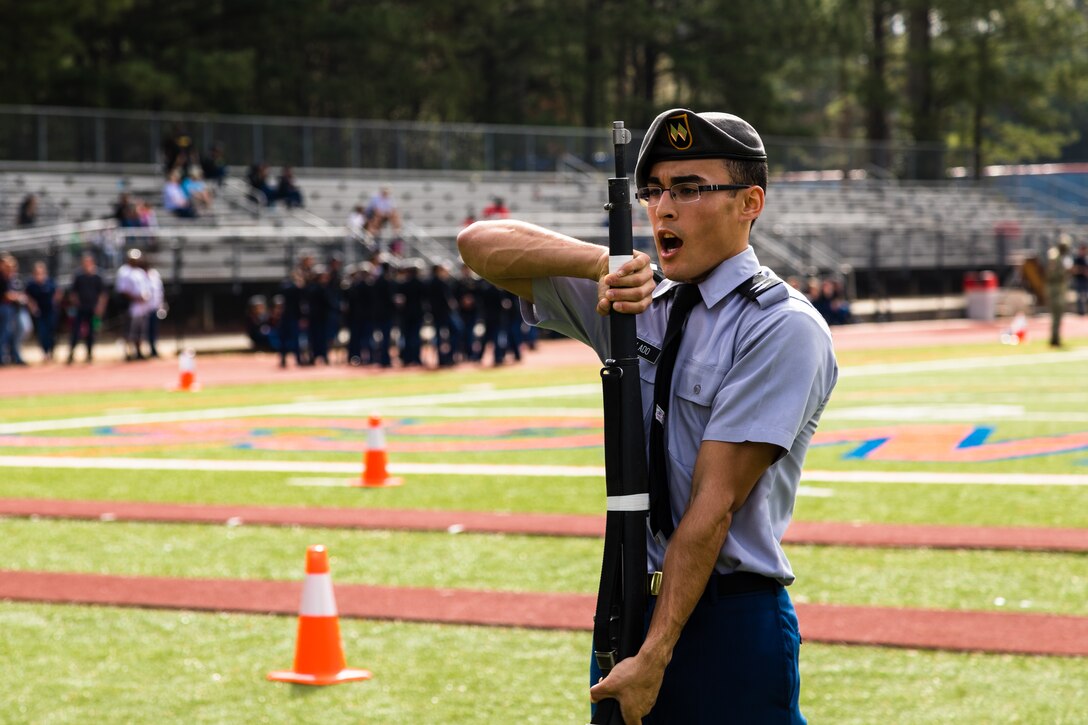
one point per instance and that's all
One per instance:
(695, 386)
(697, 383)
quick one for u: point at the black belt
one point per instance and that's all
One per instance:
(724, 585)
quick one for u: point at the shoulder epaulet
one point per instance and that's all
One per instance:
(756, 289)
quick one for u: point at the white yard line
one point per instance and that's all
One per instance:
(961, 364)
(357, 406)
(482, 469)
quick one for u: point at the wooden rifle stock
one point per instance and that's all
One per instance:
(618, 626)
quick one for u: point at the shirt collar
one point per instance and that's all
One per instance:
(722, 280)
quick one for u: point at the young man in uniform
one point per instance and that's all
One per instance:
(738, 400)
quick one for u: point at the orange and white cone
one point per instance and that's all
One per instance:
(319, 657)
(375, 459)
(187, 371)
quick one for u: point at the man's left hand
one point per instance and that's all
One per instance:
(634, 682)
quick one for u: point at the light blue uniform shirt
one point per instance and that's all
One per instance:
(759, 371)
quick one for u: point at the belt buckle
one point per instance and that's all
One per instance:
(655, 584)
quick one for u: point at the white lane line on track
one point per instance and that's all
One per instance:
(961, 364)
(482, 469)
(357, 406)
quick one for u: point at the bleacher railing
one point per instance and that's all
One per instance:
(50, 134)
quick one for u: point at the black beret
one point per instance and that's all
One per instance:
(683, 134)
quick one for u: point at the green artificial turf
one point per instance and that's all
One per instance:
(72, 664)
(69, 664)
(956, 579)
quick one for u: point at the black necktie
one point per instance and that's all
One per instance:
(684, 298)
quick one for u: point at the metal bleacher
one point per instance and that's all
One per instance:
(807, 226)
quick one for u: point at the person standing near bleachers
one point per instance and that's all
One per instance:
(1059, 268)
(291, 291)
(156, 305)
(466, 290)
(87, 299)
(444, 317)
(359, 314)
(1080, 279)
(382, 295)
(410, 294)
(134, 287)
(41, 294)
(12, 299)
(319, 307)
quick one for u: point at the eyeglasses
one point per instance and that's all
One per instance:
(685, 193)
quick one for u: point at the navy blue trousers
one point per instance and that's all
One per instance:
(736, 662)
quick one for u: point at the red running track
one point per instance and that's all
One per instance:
(1020, 538)
(1030, 634)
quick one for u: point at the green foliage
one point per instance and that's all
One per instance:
(795, 67)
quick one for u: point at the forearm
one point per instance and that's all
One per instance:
(511, 254)
(689, 561)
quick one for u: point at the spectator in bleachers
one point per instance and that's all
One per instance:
(496, 209)
(124, 211)
(41, 293)
(214, 166)
(287, 189)
(87, 299)
(146, 214)
(27, 215)
(1080, 278)
(261, 187)
(470, 217)
(196, 190)
(12, 302)
(174, 199)
(356, 222)
(382, 210)
(176, 149)
(829, 298)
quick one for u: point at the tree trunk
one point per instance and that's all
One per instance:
(925, 123)
(877, 131)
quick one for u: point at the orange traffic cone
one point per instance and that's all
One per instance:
(187, 371)
(374, 460)
(319, 658)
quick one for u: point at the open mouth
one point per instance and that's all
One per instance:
(669, 242)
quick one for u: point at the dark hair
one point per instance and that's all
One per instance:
(753, 173)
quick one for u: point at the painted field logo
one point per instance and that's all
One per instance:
(951, 443)
(345, 435)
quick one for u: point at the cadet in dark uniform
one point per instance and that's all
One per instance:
(736, 369)
(444, 318)
(410, 292)
(467, 291)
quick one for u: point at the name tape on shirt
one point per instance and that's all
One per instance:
(647, 351)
